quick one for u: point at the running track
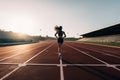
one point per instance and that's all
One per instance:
(41, 61)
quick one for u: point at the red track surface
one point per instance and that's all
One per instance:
(40, 61)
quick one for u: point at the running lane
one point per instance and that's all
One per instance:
(40, 61)
(92, 61)
(13, 64)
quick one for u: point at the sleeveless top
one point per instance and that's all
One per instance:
(60, 33)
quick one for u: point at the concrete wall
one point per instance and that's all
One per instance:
(110, 38)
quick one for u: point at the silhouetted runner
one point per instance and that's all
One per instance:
(60, 35)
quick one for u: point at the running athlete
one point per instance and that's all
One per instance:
(59, 35)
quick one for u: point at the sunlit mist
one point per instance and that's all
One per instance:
(38, 17)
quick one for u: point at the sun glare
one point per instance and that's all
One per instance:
(22, 24)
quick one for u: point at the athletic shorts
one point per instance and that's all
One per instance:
(60, 40)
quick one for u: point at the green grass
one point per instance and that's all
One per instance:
(107, 43)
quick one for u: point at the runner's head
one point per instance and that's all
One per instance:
(60, 28)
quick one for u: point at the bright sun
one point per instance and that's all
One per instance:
(22, 24)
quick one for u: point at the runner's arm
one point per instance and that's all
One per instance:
(56, 35)
(64, 34)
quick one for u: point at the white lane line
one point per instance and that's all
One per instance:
(64, 65)
(104, 53)
(35, 64)
(107, 64)
(14, 49)
(9, 63)
(5, 76)
(61, 70)
(30, 64)
(18, 54)
(93, 65)
(61, 67)
(9, 73)
(38, 54)
(111, 55)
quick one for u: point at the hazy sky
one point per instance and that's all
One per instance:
(40, 16)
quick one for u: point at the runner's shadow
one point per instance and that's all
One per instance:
(95, 71)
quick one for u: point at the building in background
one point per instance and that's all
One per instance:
(108, 34)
